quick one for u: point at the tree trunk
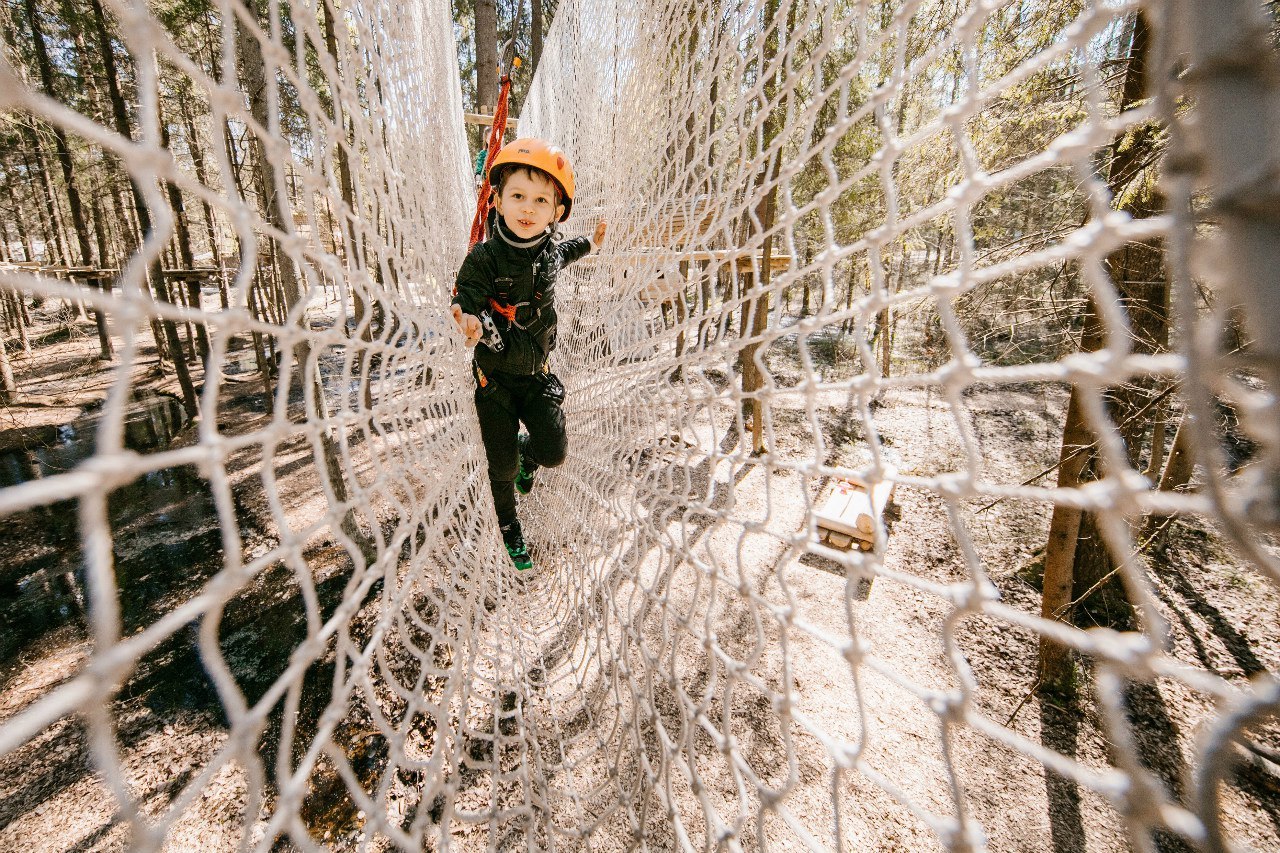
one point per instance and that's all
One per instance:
(1178, 468)
(261, 357)
(20, 320)
(197, 162)
(121, 120)
(1064, 530)
(1077, 560)
(210, 223)
(752, 377)
(19, 222)
(355, 258)
(883, 346)
(535, 35)
(100, 233)
(486, 55)
(8, 385)
(681, 305)
(49, 211)
(275, 207)
(68, 170)
(186, 256)
(89, 77)
(1137, 269)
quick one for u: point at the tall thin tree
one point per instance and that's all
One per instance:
(120, 116)
(486, 54)
(275, 208)
(1076, 560)
(63, 152)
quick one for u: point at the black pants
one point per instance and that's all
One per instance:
(502, 404)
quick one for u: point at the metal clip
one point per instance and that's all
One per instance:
(492, 337)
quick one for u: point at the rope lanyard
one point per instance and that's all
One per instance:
(496, 133)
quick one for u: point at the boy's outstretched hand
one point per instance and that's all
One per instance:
(468, 324)
(598, 239)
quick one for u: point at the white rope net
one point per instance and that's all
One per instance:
(842, 239)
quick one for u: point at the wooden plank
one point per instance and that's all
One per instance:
(487, 121)
(677, 223)
(72, 272)
(847, 510)
(743, 259)
(194, 273)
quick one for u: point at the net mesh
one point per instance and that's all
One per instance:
(950, 251)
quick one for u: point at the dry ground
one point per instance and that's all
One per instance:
(716, 613)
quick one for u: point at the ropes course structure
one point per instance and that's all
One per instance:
(838, 233)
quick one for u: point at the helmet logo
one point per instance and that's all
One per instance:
(559, 162)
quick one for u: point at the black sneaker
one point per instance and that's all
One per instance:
(513, 538)
(524, 475)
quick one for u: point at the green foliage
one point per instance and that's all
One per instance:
(514, 19)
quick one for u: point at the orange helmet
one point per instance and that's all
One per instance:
(539, 155)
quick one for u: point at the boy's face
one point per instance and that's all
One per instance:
(528, 204)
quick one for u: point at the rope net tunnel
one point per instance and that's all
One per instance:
(1005, 261)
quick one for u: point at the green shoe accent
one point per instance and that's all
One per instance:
(520, 556)
(524, 477)
(513, 538)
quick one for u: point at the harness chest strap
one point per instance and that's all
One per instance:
(501, 302)
(508, 311)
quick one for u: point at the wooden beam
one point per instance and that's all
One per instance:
(743, 259)
(487, 121)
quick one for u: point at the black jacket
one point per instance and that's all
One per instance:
(511, 275)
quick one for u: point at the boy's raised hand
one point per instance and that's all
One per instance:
(601, 227)
(468, 324)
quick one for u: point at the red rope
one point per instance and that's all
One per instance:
(495, 143)
(508, 311)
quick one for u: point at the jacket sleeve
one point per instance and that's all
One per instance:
(573, 249)
(471, 289)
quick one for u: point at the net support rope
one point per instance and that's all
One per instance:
(292, 624)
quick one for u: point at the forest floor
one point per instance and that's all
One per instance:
(169, 723)
(1221, 615)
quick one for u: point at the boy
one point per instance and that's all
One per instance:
(504, 300)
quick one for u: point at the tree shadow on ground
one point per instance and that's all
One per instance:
(1233, 640)
(1060, 731)
(1156, 738)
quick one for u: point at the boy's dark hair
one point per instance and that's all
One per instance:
(530, 172)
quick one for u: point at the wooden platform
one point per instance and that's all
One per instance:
(487, 120)
(676, 224)
(60, 271)
(195, 273)
(853, 512)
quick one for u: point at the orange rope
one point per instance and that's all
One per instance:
(495, 143)
(508, 311)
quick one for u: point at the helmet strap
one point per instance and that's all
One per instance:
(512, 240)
